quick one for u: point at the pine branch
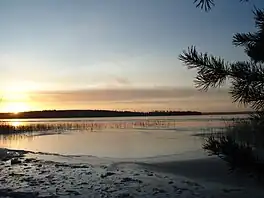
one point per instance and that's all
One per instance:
(208, 4)
(259, 19)
(245, 39)
(204, 4)
(253, 42)
(247, 85)
(255, 51)
(211, 71)
(248, 94)
(247, 77)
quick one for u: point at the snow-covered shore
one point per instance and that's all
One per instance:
(27, 175)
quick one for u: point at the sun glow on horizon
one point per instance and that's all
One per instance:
(15, 107)
(15, 100)
(16, 123)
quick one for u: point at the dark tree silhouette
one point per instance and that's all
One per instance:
(208, 4)
(247, 77)
(241, 144)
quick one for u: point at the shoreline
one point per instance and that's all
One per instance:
(32, 177)
(25, 116)
(91, 114)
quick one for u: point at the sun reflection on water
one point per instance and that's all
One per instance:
(15, 123)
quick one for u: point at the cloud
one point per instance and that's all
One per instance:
(114, 94)
(122, 81)
(138, 99)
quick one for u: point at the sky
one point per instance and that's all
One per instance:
(118, 54)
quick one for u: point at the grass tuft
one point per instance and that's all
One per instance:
(240, 145)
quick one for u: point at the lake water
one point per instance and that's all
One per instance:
(137, 137)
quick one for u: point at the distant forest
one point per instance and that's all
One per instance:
(91, 113)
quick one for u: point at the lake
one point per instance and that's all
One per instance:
(127, 138)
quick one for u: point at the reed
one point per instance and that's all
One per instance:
(11, 128)
(240, 145)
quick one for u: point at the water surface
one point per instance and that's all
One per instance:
(137, 137)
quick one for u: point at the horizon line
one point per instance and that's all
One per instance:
(203, 112)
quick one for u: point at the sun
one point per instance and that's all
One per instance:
(16, 98)
(15, 107)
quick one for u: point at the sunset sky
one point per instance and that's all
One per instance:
(118, 54)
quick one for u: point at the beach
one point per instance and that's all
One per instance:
(28, 174)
